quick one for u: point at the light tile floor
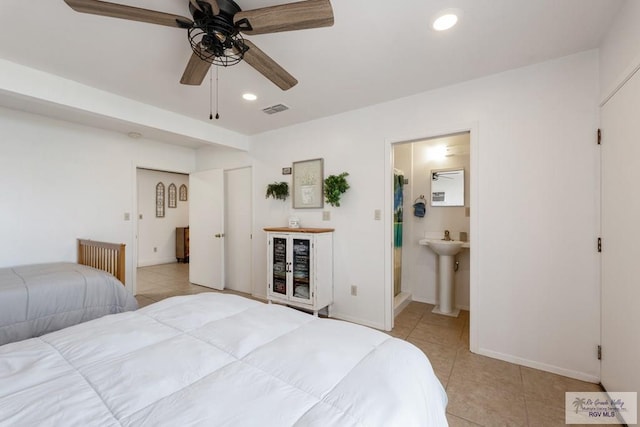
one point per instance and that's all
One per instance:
(482, 391)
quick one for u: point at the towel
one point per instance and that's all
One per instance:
(420, 208)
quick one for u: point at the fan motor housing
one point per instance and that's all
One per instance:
(215, 38)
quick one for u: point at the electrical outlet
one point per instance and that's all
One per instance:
(326, 215)
(354, 290)
(155, 249)
(377, 215)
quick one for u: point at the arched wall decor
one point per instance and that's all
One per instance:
(172, 196)
(160, 200)
(183, 193)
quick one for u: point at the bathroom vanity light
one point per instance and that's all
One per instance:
(437, 153)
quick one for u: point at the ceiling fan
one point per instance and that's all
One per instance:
(216, 27)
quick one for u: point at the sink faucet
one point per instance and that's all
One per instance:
(447, 237)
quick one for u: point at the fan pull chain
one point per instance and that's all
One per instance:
(211, 94)
(217, 93)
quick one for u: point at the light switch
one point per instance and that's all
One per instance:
(326, 215)
(127, 216)
(377, 214)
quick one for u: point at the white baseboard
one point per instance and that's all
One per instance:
(540, 366)
(352, 319)
(150, 262)
(400, 302)
(432, 302)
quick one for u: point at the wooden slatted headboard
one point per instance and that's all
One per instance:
(109, 257)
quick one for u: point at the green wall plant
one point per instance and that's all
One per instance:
(334, 187)
(277, 190)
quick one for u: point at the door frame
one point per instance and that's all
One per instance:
(475, 237)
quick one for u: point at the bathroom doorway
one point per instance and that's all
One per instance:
(418, 215)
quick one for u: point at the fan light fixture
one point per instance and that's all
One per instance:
(214, 38)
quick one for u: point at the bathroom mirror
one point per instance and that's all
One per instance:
(447, 187)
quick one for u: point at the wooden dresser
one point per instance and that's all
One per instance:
(182, 244)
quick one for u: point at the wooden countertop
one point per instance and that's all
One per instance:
(298, 230)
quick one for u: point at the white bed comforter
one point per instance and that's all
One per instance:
(217, 360)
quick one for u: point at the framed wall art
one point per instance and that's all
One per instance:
(160, 200)
(308, 183)
(172, 203)
(183, 193)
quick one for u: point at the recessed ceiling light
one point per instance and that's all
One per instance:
(249, 97)
(446, 19)
(134, 135)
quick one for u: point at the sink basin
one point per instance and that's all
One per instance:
(443, 247)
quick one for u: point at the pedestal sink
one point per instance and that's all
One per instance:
(446, 250)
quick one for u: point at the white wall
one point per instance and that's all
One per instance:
(63, 181)
(159, 233)
(537, 290)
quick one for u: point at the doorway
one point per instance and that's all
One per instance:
(157, 224)
(236, 202)
(470, 214)
(420, 214)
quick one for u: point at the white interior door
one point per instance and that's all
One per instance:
(238, 225)
(206, 228)
(620, 232)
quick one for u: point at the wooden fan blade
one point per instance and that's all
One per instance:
(215, 9)
(103, 8)
(268, 67)
(195, 4)
(287, 17)
(196, 71)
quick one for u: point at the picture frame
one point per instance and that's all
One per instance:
(183, 193)
(171, 203)
(308, 184)
(160, 200)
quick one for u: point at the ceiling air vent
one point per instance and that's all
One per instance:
(275, 109)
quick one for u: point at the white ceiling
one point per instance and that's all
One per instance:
(376, 51)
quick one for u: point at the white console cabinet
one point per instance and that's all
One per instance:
(300, 267)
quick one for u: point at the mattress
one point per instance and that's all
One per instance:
(41, 298)
(217, 360)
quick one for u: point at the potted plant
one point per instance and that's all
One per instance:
(277, 190)
(334, 187)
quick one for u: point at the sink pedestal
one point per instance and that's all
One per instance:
(446, 287)
(446, 251)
